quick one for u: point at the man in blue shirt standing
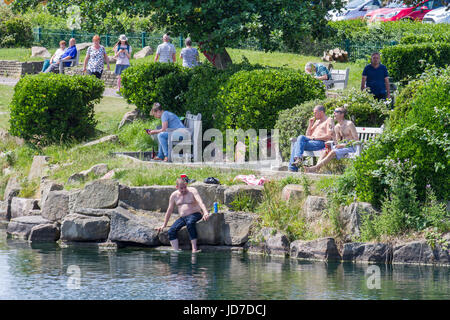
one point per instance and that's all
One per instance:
(375, 76)
(169, 120)
(69, 54)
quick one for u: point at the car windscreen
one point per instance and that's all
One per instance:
(397, 4)
(355, 4)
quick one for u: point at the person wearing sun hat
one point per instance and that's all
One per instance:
(122, 51)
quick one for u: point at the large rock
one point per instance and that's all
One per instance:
(237, 227)
(56, 206)
(367, 252)
(21, 227)
(145, 52)
(21, 207)
(112, 60)
(78, 227)
(419, 252)
(44, 233)
(12, 189)
(319, 249)
(112, 138)
(46, 187)
(3, 210)
(255, 193)
(39, 167)
(99, 194)
(127, 227)
(129, 117)
(83, 46)
(151, 198)
(97, 170)
(269, 241)
(293, 192)
(209, 193)
(40, 52)
(73, 195)
(351, 217)
(209, 232)
(314, 207)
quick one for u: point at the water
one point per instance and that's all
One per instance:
(46, 271)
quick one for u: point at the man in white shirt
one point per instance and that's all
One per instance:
(166, 51)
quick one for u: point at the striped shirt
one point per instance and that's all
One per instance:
(166, 51)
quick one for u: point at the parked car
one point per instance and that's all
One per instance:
(440, 15)
(354, 9)
(397, 10)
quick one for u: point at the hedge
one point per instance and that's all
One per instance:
(51, 108)
(15, 32)
(404, 61)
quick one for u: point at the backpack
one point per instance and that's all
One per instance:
(119, 47)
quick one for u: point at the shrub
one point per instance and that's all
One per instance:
(404, 61)
(16, 32)
(425, 38)
(204, 88)
(147, 83)
(50, 108)
(252, 99)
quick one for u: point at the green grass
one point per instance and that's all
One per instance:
(6, 93)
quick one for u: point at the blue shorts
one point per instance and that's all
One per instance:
(120, 68)
(343, 152)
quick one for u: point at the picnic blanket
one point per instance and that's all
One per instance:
(251, 180)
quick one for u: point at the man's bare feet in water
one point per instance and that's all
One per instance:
(196, 251)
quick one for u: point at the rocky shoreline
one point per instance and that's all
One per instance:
(109, 215)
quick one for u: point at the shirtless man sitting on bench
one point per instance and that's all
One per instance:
(190, 206)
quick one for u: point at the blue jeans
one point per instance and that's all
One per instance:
(188, 221)
(304, 144)
(163, 144)
(46, 65)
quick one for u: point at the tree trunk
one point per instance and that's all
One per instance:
(219, 60)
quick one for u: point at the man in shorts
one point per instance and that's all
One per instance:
(190, 206)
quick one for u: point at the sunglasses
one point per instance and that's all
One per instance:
(338, 111)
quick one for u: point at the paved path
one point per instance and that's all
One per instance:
(109, 92)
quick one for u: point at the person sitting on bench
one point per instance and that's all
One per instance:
(318, 70)
(345, 130)
(70, 53)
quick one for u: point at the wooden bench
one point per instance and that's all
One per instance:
(364, 135)
(339, 79)
(191, 139)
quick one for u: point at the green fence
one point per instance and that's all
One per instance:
(356, 50)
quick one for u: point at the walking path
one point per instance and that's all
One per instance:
(109, 92)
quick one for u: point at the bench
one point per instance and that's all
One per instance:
(74, 62)
(339, 79)
(191, 139)
(364, 135)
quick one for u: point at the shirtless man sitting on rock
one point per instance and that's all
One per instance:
(189, 205)
(320, 129)
(346, 136)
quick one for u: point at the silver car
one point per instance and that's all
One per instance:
(440, 15)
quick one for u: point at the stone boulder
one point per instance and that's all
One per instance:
(111, 138)
(97, 170)
(237, 227)
(367, 252)
(151, 198)
(293, 192)
(419, 252)
(319, 249)
(351, 217)
(314, 207)
(209, 193)
(145, 52)
(99, 194)
(39, 167)
(269, 241)
(44, 233)
(21, 207)
(73, 195)
(56, 206)
(40, 52)
(78, 227)
(127, 227)
(209, 232)
(112, 59)
(21, 227)
(83, 46)
(45, 188)
(130, 117)
(253, 192)
(3, 209)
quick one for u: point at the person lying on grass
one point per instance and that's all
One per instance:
(346, 136)
(190, 206)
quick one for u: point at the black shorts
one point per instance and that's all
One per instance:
(97, 74)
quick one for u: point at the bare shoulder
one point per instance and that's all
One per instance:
(192, 189)
(174, 194)
(350, 124)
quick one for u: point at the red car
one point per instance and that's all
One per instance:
(398, 10)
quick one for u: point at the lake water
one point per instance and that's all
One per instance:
(46, 271)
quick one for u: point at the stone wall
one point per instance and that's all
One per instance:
(16, 69)
(108, 77)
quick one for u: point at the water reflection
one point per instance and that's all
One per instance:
(40, 271)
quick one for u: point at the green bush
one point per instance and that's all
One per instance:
(205, 86)
(425, 38)
(49, 108)
(147, 83)
(404, 61)
(253, 99)
(15, 32)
